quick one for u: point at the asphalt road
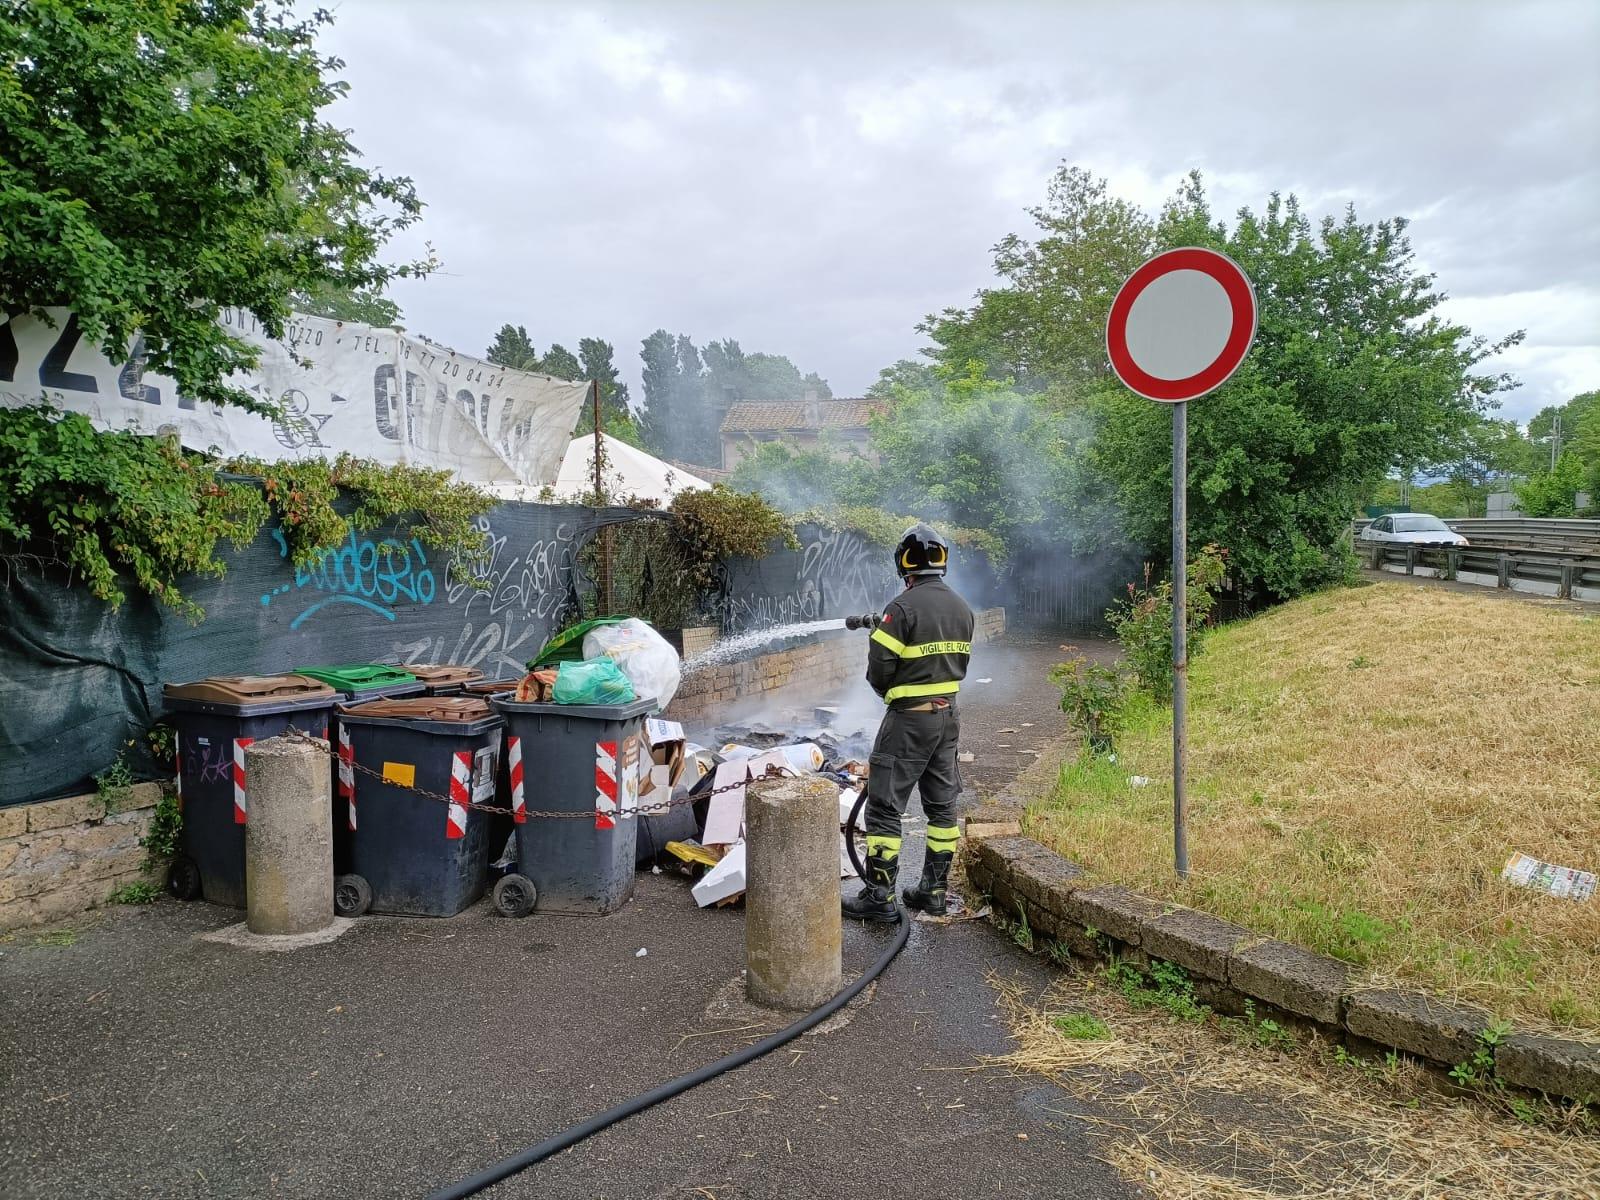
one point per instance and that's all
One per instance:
(141, 1060)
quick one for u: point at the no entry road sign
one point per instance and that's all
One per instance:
(1181, 325)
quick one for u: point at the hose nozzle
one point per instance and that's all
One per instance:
(865, 621)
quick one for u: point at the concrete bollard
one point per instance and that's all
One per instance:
(792, 922)
(288, 838)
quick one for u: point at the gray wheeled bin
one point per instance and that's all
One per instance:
(355, 682)
(499, 824)
(216, 719)
(583, 759)
(409, 854)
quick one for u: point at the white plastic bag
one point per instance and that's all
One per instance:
(644, 656)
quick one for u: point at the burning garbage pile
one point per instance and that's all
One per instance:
(689, 792)
(706, 836)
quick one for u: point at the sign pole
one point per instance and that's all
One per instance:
(1180, 634)
(1178, 329)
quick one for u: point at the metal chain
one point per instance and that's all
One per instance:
(646, 810)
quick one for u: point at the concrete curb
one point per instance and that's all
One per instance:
(1231, 965)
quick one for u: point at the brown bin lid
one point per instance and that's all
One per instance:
(437, 673)
(424, 708)
(492, 687)
(249, 689)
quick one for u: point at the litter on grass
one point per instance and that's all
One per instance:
(1564, 883)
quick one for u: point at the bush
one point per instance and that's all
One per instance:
(160, 841)
(116, 505)
(111, 505)
(719, 523)
(1092, 696)
(1143, 621)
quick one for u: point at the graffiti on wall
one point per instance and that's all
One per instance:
(373, 575)
(832, 574)
(508, 600)
(82, 683)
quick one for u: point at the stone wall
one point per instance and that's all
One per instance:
(1231, 965)
(823, 665)
(59, 857)
(991, 625)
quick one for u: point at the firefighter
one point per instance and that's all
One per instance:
(916, 661)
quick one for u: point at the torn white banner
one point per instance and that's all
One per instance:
(376, 393)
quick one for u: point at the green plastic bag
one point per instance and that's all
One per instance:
(598, 681)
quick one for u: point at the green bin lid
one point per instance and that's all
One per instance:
(567, 646)
(358, 677)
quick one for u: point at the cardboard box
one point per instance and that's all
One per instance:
(668, 756)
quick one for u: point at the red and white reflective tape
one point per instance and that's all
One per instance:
(605, 785)
(455, 822)
(239, 809)
(347, 772)
(519, 805)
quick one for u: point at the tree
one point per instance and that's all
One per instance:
(365, 306)
(616, 417)
(513, 348)
(596, 359)
(906, 375)
(1353, 375)
(675, 423)
(160, 162)
(1047, 324)
(1542, 428)
(1487, 456)
(660, 373)
(699, 420)
(1553, 493)
(798, 479)
(560, 363)
(977, 454)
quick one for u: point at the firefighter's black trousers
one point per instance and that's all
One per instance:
(914, 750)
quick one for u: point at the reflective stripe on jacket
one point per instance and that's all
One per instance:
(921, 646)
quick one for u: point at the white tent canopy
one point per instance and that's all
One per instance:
(628, 472)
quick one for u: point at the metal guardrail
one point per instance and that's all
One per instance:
(1587, 528)
(1579, 537)
(1508, 567)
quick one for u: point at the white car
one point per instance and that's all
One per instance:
(1419, 529)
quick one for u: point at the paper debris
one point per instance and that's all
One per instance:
(967, 756)
(1005, 731)
(1138, 781)
(1566, 883)
(640, 952)
(724, 881)
(990, 680)
(847, 802)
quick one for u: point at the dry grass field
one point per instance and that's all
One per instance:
(1363, 762)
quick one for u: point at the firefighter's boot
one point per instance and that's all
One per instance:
(876, 900)
(929, 895)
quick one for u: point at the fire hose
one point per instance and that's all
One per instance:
(673, 1087)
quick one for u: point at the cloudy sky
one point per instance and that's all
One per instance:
(811, 179)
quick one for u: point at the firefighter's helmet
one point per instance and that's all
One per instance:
(921, 552)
